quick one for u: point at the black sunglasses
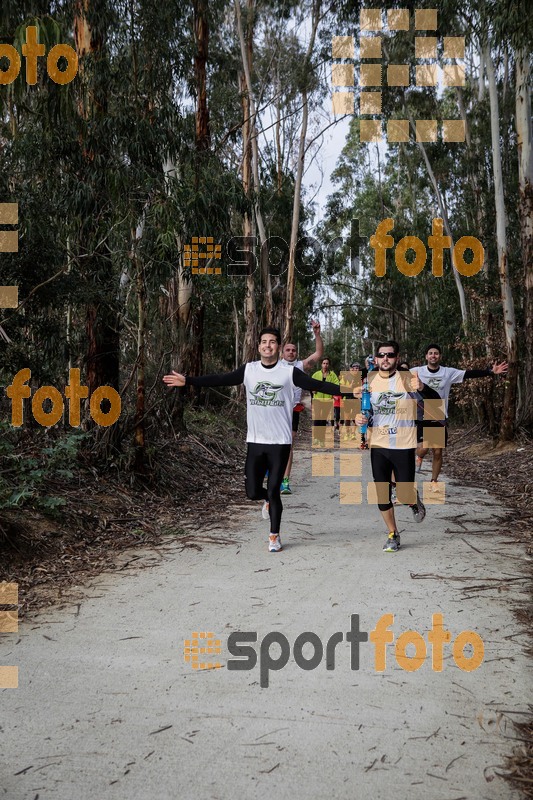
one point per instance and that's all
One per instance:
(386, 355)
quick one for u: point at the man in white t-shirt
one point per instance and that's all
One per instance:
(270, 389)
(290, 359)
(441, 379)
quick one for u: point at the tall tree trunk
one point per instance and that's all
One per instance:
(201, 34)
(191, 310)
(236, 359)
(525, 211)
(476, 179)
(250, 327)
(444, 215)
(179, 287)
(509, 405)
(101, 318)
(247, 62)
(140, 429)
(291, 275)
(279, 154)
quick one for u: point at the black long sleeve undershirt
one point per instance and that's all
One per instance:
(236, 377)
(477, 373)
(303, 381)
(428, 393)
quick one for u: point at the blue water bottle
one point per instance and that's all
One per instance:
(366, 406)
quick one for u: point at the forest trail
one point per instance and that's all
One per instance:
(107, 707)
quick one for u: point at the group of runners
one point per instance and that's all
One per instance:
(397, 422)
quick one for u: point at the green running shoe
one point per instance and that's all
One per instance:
(285, 487)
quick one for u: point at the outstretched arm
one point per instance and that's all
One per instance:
(496, 369)
(174, 379)
(223, 379)
(319, 347)
(303, 381)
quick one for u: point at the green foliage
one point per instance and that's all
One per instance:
(25, 479)
(111, 184)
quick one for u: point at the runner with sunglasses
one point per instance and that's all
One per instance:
(394, 396)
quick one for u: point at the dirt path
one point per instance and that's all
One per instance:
(108, 708)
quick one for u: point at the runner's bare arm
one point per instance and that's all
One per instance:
(319, 348)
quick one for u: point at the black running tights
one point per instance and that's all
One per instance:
(259, 459)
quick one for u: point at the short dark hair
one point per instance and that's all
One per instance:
(274, 331)
(389, 343)
(432, 347)
(404, 365)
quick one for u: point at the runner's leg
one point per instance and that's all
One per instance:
(421, 451)
(438, 454)
(254, 471)
(295, 424)
(319, 410)
(276, 456)
(437, 463)
(404, 469)
(382, 467)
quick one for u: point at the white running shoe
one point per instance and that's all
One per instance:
(274, 543)
(264, 510)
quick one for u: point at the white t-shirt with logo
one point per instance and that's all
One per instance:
(441, 380)
(297, 390)
(269, 400)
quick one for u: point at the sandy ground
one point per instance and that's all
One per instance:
(108, 708)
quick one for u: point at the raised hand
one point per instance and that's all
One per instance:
(499, 369)
(174, 379)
